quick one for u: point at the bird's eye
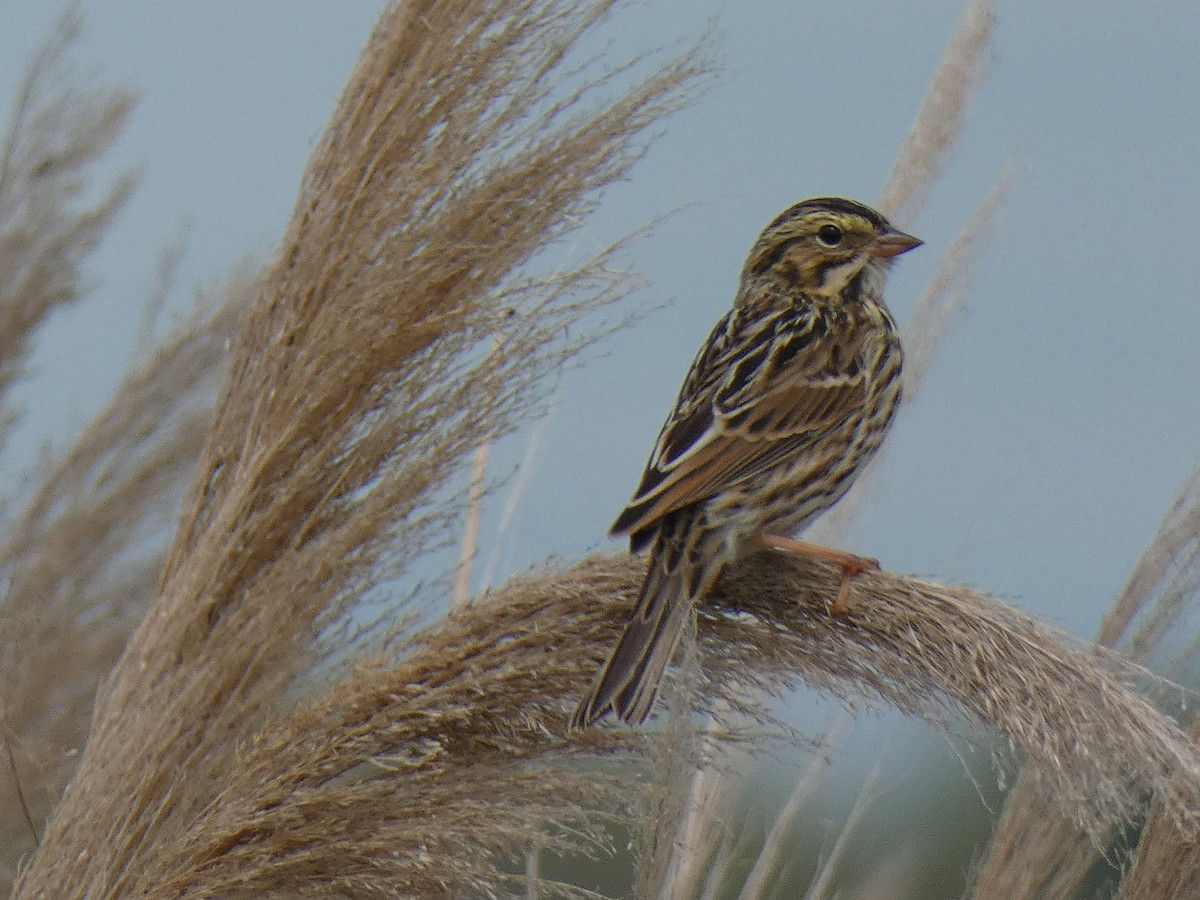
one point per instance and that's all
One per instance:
(829, 235)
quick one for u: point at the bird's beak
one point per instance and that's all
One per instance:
(893, 243)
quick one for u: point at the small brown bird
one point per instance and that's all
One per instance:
(782, 407)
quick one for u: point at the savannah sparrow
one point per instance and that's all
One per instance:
(788, 399)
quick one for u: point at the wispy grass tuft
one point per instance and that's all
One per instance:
(417, 774)
(49, 219)
(1092, 743)
(1164, 585)
(82, 557)
(1166, 864)
(63, 606)
(939, 122)
(458, 754)
(399, 323)
(1036, 852)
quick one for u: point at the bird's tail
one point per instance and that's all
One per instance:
(630, 679)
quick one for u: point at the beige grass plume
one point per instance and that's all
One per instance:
(82, 556)
(48, 223)
(474, 718)
(53, 213)
(939, 121)
(1036, 851)
(461, 147)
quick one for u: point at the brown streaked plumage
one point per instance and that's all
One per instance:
(781, 408)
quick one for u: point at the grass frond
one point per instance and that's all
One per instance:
(49, 219)
(1093, 744)
(81, 558)
(403, 318)
(939, 121)
(1166, 865)
(1164, 582)
(1036, 851)
(457, 751)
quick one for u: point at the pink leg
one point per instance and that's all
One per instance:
(850, 564)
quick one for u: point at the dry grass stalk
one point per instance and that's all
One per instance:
(82, 557)
(458, 750)
(457, 152)
(711, 793)
(770, 858)
(470, 539)
(943, 296)
(823, 883)
(681, 821)
(924, 648)
(1035, 852)
(477, 487)
(56, 132)
(927, 148)
(80, 547)
(416, 775)
(1166, 865)
(1163, 582)
(516, 493)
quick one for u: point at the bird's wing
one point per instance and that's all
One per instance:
(781, 395)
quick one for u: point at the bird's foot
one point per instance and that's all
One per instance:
(850, 563)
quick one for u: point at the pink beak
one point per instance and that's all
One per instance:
(893, 243)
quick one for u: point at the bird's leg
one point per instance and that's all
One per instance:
(851, 564)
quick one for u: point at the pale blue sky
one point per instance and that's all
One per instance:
(1057, 422)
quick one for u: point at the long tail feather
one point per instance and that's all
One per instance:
(629, 681)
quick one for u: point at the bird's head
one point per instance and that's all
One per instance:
(821, 245)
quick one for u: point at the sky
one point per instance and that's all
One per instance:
(1060, 416)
